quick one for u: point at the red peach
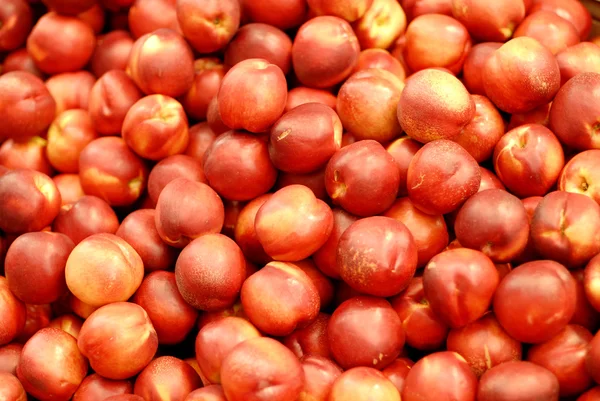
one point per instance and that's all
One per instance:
(16, 17)
(414, 8)
(539, 115)
(320, 374)
(147, 16)
(213, 117)
(11, 388)
(111, 53)
(323, 284)
(201, 138)
(87, 216)
(579, 174)
(349, 10)
(71, 90)
(397, 371)
(10, 355)
(474, 63)
(13, 314)
(97, 388)
(283, 14)
(403, 150)
(549, 29)
(209, 73)
(382, 59)
(302, 94)
(30, 154)
(381, 25)
(245, 233)
(489, 21)
(590, 395)
(325, 257)
(68, 323)
(20, 60)
(94, 17)
(576, 59)
(38, 317)
(167, 378)
(311, 340)
(572, 11)
(315, 181)
(209, 393)
(585, 313)
(363, 384)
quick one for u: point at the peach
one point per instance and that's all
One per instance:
(147, 16)
(245, 233)
(97, 388)
(576, 59)
(213, 117)
(590, 395)
(119, 340)
(111, 98)
(38, 317)
(16, 18)
(209, 393)
(572, 11)
(320, 374)
(201, 137)
(311, 340)
(216, 340)
(235, 310)
(430, 378)
(11, 388)
(578, 96)
(102, 269)
(13, 314)
(349, 178)
(60, 43)
(484, 344)
(382, 59)
(35, 266)
(592, 358)
(26, 106)
(30, 201)
(111, 53)
(380, 26)
(531, 312)
(20, 60)
(80, 308)
(489, 21)
(397, 371)
(323, 284)
(210, 272)
(255, 79)
(171, 168)
(474, 63)
(292, 224)
(539, 115)
(208, 26)
(314, 181)
(302, 94)
(173, 319)
(280, 298)
(238, 167)
(119, 184)
(325, 258)
(68, 323)
(585, 314)
(403, 150)
(528, 160)
(10, 355)
(363, 384)
(94, 17)
(349, 10)
(537, 383)
(283, 14)
(592, 281)
(30, 154)
(304, 139)
(579, 174)
(87, 216)
(434, 105)
(168, 71)
(325, 51)
(565, 227)
(447, 36)
(71, 90)
(549, 29)
(414, 8)
(167, 378)
(521, 75)
(209, 73)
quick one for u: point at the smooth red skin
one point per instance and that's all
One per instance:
(441, 176)
(539, 115)
(12, 312)
(124, 397)
(209, 393)
(261, 369)
(29, 155)
(397, 371)
(403, 150)
(209, 26)
(20, 60)
(209, 73)
(572, 11)
(324, 285)
(349, 10)
(293, 224)
(119, 184)
(585, 314)
(311, 340)
(95, 17)
(349, 183)
(484, 344)
(213, 117)
(201, 138)
(38, 317)
(26, 106)
(441, 375)
(474, 63)
(162, 62)
(97, 388)
(216, 340)
(538, 383)
(315, 181)
(139, 230)
(260, 81)
(35, 266)
(579, 58)
(423, 328)
(325, 258)
(580, 174)
(521, 75)
(365, 331)
(238, 167)
(69, 7)
(156, 127)
(87, 216)
(56, 348)
(68, 134)
(565, 355)
(280, 298)
(434, 105)
(528, 160)
(304, 139)
(111, 53)
(549, 29)
(210, 272)
(363, 384)
(380, 58)
(578, 95)
(459, 285)
(10, 355)
(148, 16)
(320, 373)
(531, 312)
(71, 90)
(16, 18)
(172, 318)
(61, 43)
(590, 395)
(245, 234)
(302, 95)
(281, 14)
(564, 228)
(325, 51)
(167, 378)
(414, 8)
(30, 201)
(485, 21)
(435, 31)
(68, 323)
(11, 388)
(495, 223)
(118, 339)
(110, 99)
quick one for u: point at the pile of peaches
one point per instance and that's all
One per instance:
(299, 200)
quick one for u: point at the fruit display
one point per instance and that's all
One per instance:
(299, 200)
